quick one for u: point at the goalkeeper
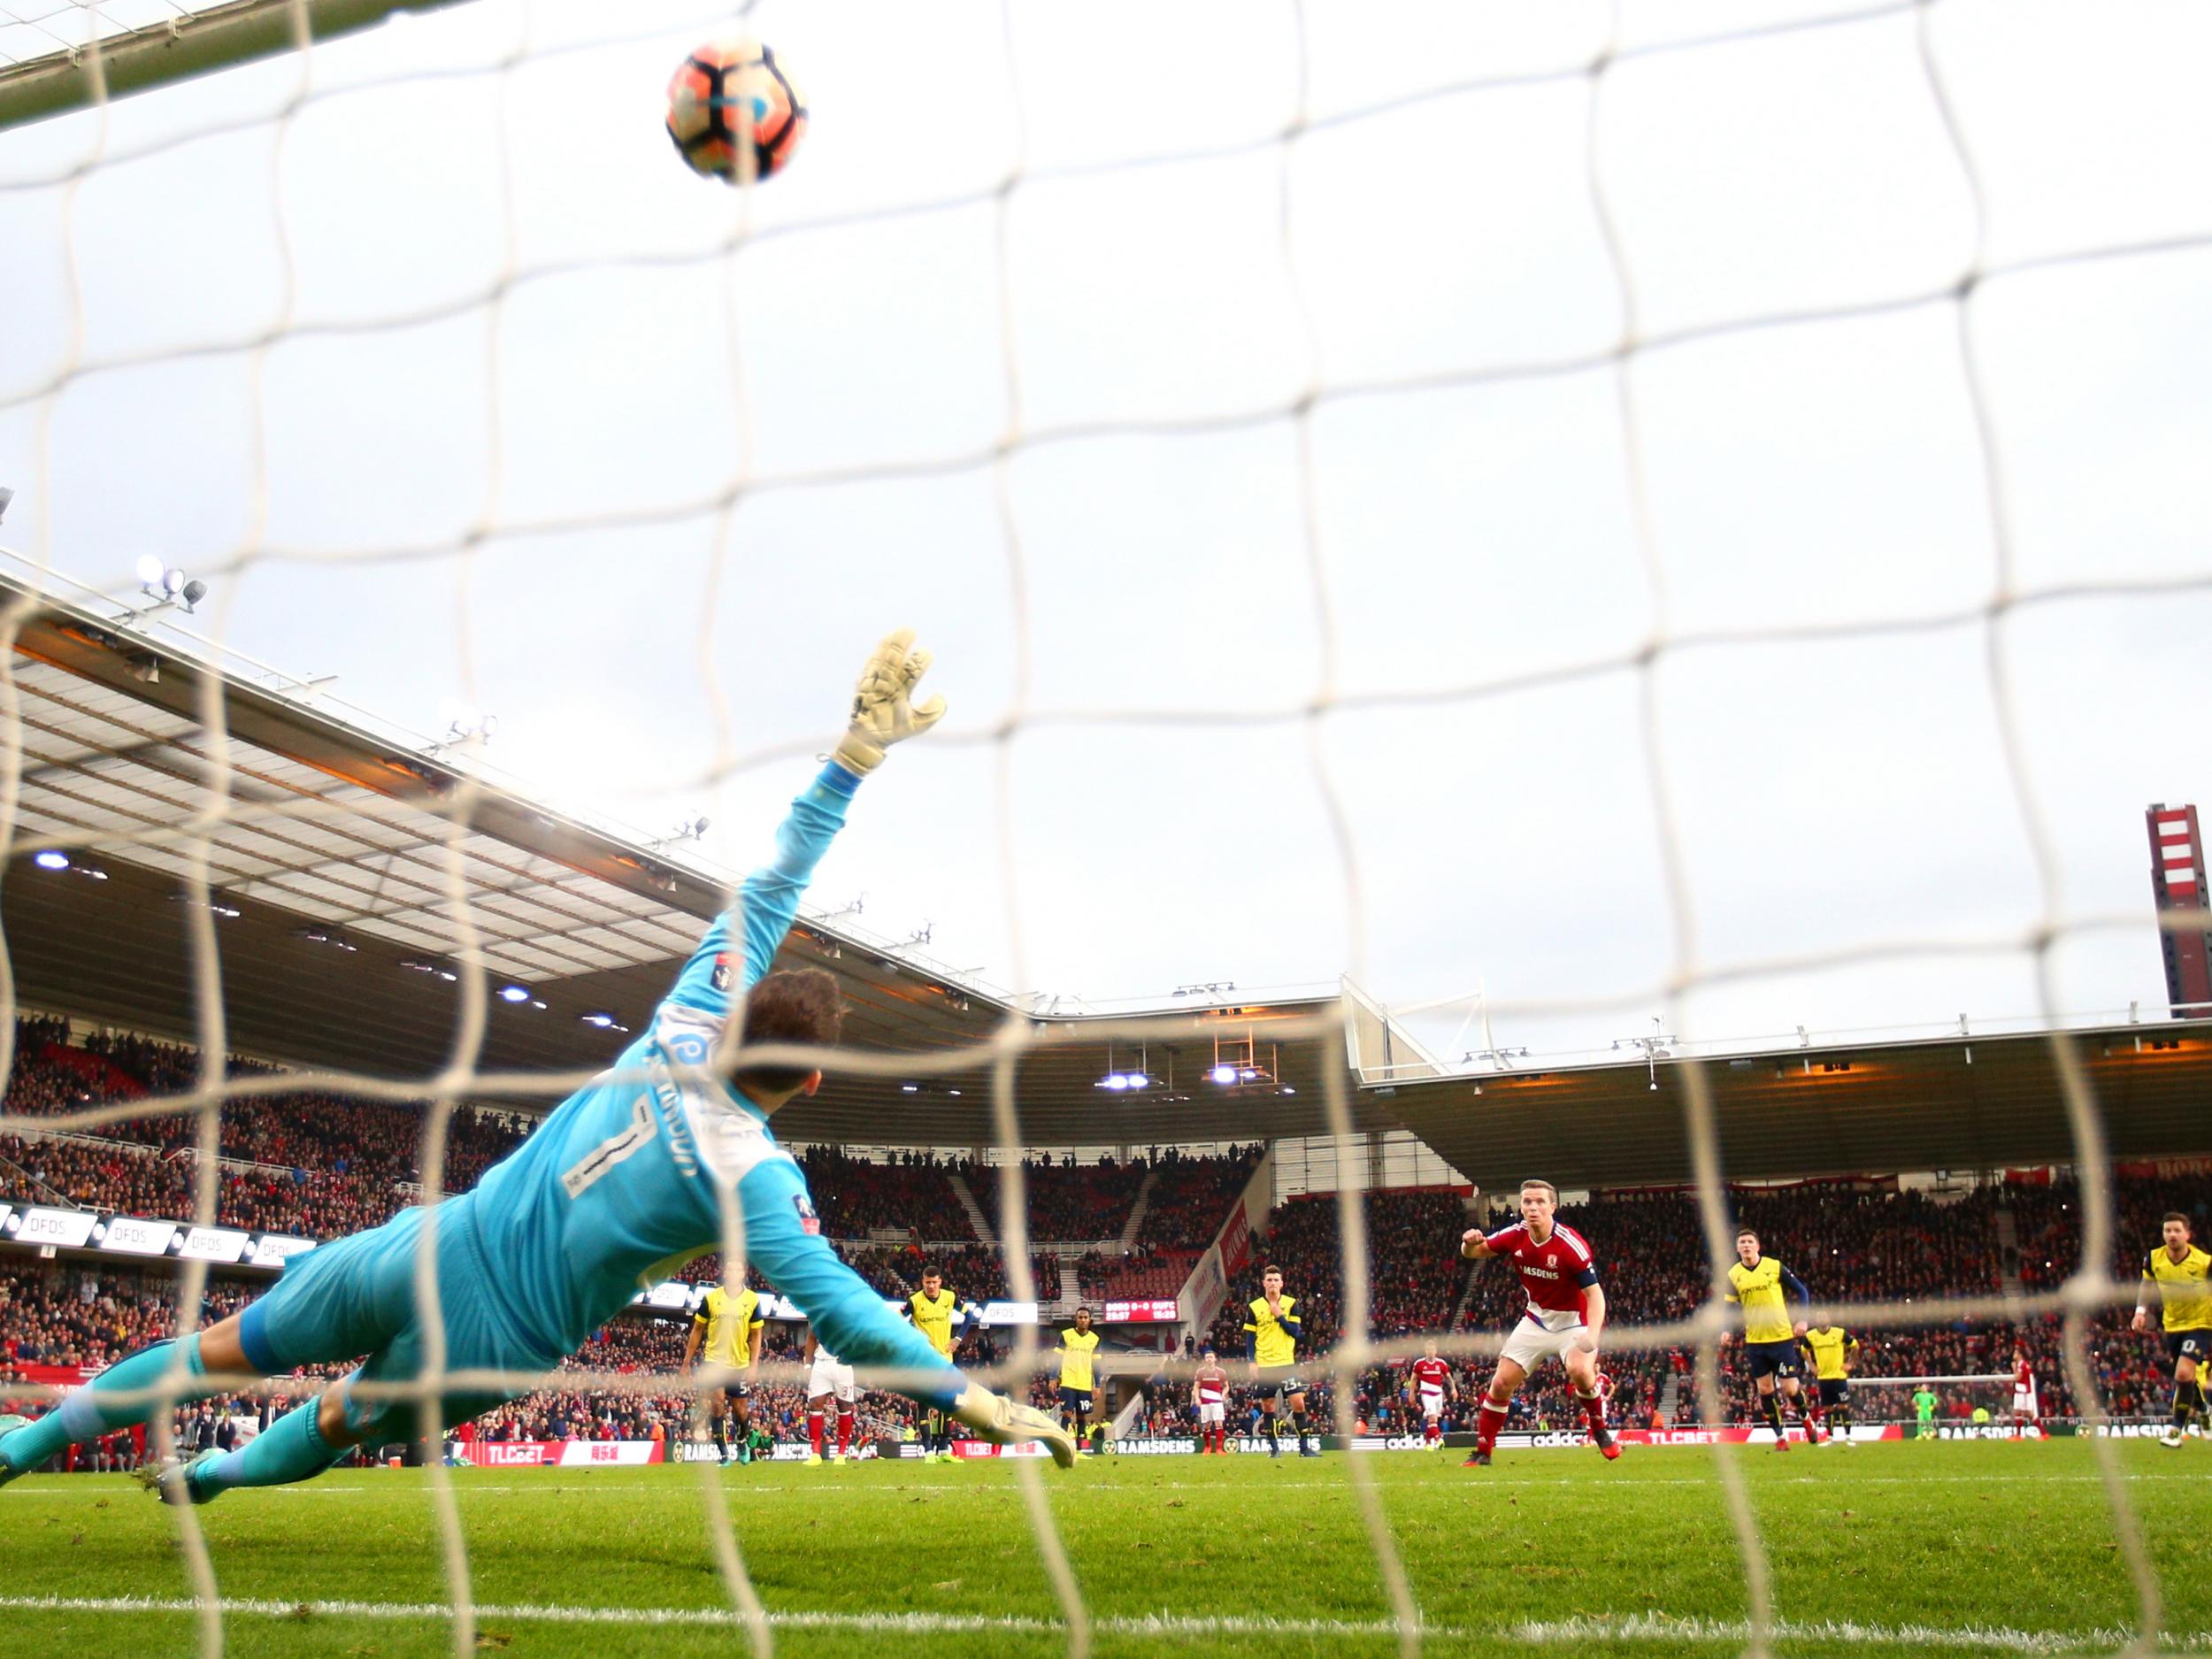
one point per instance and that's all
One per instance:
(621, 1183)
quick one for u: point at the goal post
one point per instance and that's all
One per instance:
(191, 44)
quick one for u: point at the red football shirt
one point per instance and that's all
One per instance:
(2022, 1378)
(1213, 1387)
(1429, 1373)
(1553, 1273)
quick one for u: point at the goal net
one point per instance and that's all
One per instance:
(1311, 403)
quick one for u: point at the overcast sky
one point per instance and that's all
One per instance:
(1472, 525)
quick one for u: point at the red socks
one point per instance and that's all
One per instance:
(1491, 1420)
(814, 1431)
(844, 1432)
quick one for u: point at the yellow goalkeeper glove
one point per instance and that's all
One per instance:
(1003, 1422)
(884, 709)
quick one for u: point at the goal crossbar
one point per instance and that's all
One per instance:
(199, 43)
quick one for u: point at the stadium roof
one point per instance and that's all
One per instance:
(1959, 1102)
(333, 852)
(332, 847)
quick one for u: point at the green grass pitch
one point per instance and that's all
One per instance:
(1940, 1549)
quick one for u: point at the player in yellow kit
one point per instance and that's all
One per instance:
(1831, 1347)
(732, 1327)
(1763, 1285)
(1078, 1345)
(1274, 1323)
(2183, 1274)
(935, 1311)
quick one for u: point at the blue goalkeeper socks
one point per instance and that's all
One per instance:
(92, 1411)
(290, 1449)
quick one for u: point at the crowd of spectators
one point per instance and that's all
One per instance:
(1191, 1197)
(1064, 1199)
(911, 1194)
(51, 1315)
(320, 1165)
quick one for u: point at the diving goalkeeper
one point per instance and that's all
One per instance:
(621, 1184)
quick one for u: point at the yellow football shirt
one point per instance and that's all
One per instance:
(1766, 1312)
(1831, 1346)
(1274, 1342)
(1075, 1358)
(932, 1317)
(2184, 1286)
(730, 1322)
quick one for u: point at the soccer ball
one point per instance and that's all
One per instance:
(733, 113)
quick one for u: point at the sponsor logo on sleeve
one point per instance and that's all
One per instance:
(721, 976)
(809, 1223)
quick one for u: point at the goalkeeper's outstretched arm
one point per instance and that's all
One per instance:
(741, 945)
(848, 1315)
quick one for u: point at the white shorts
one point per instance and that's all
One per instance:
(829, 1377)
(1542, 1334)
(1217, 1412)
(1432, 1403)
(2023, 1402)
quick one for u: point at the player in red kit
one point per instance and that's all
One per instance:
(1428, 1385)
(1566, 1313)
(1209, 1392)
(2023, 1404)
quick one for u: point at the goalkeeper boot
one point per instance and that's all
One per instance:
(171, 1481)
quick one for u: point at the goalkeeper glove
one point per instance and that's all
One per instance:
(1003, 1422)
(884, 711)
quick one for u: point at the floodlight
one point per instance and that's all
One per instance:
(52, 860)
(1137, 1080)
(1114, 1080)
(513, 994)
(173, 582)
(604, 1021)
(6, 496)
(1224, 1074)
(909, 1088)
(149, 570)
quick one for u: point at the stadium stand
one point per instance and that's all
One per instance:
(1191, 1197)
(1065, 1200)
(318, 1166)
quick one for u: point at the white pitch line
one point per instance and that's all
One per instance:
(1629, 1627)
(586, 1481)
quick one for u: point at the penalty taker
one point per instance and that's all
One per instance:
(624, 1181)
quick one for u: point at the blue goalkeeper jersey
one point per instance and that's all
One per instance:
(621, 1184)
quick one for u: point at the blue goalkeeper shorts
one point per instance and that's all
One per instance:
(357, 1296)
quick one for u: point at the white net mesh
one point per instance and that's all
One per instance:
(627, 379)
